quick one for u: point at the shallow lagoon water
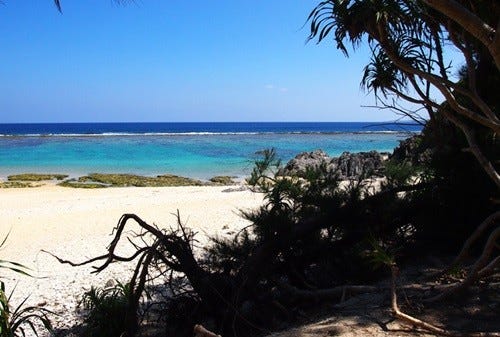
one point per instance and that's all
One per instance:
(192, 154)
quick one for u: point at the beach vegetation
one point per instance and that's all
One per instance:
(410, 43)
(313, 239)
(36, 177)
(400, 173)
(316, 238)
(16, 322)
(312, 232)
(106, 310)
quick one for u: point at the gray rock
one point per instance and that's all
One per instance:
(305, 160)
(412, 151)
(354, 165)
(348, 165)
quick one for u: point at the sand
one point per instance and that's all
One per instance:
(76, 224)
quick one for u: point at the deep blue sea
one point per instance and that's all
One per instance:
(199, 150)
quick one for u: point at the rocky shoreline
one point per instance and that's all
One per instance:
(348, 166)
(353, 166)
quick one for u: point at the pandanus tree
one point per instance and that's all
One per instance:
(410, 42)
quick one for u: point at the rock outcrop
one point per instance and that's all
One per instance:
(412, 151)
(348, 165)
(304, 161)
(353, 165)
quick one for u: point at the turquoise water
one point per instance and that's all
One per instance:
(197, 155)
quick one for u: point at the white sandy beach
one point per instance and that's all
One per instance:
(76, 224)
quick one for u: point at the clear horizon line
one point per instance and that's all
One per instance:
(220, 122)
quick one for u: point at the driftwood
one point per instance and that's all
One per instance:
(173, 249)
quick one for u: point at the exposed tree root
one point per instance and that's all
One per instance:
(173, 249)
(422, 324)
(490, 268)
(464, 252)
(480, 268)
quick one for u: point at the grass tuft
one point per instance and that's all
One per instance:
(107, 310)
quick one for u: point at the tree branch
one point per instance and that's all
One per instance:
(471, 23)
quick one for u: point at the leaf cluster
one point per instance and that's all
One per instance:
(16, 322)
(107, 308)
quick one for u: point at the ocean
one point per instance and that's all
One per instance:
(197, 150)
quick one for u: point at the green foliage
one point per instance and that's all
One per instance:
(226, 255)
(400, 173)
(346, 216)
(265, 166)
(107, 310)
(17, 322)
(379, 255)
(459, 195)
(23, 318)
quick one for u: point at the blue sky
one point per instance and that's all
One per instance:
(157, 60)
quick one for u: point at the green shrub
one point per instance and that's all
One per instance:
(399, 173)
(345, 217)
(107, 310)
